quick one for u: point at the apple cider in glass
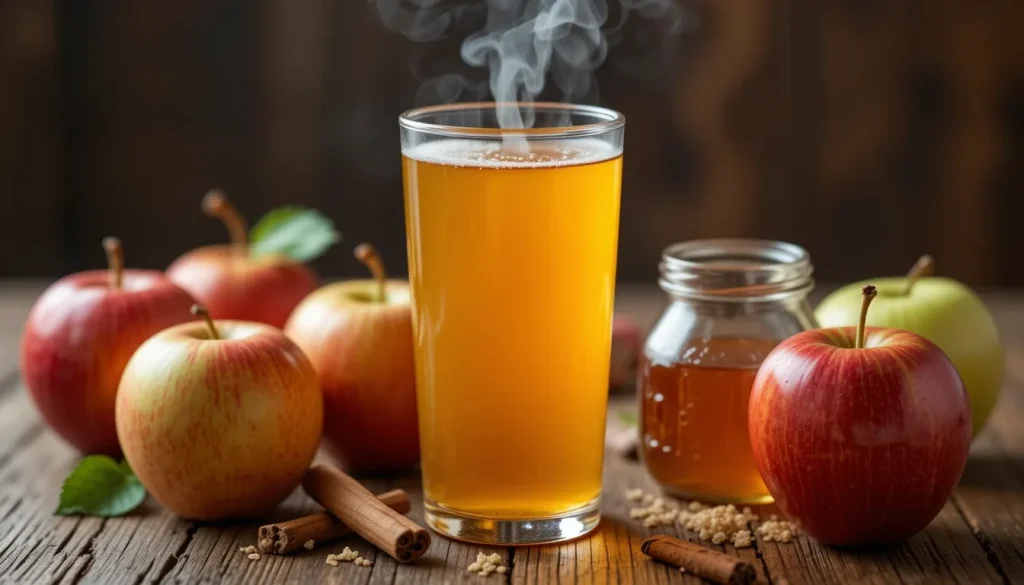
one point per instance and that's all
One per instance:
(730, 303)
(512, 252)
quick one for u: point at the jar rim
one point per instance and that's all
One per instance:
(735, 270)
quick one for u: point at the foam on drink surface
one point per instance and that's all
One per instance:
(478, 153)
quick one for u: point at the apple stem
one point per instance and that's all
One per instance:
(216, 204)
(869, 294)
(115, 260)
(199, 311)
(369, 256)
(925, 266)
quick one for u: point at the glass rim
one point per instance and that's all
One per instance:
(775, 270)
(612, 121)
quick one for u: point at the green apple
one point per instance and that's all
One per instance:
(942, 310)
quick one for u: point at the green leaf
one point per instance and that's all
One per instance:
(99, 486)
(628, 418)
(297, 232)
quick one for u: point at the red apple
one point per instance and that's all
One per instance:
(626, 346)
(78, 338)
(219, 420)
(860, 434)
(358, 335)
(233, 284)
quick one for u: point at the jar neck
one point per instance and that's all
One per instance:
(793, 302)
(736, 272)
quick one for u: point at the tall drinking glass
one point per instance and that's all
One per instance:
(512, 239)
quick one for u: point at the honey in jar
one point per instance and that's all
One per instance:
(731, 302)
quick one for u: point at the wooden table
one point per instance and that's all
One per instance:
(978, 538)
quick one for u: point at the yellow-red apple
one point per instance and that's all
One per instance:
(358, 334)
(79, 336)
(219, 420)
(627, 343)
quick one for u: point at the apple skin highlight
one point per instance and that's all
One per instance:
(219, 429)
(859, 446)
(78, 338)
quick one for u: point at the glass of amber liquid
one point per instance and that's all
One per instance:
(730, 303)
(512, 238)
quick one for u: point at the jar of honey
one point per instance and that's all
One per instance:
(730, 303)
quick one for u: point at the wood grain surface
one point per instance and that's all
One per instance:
(977, 539)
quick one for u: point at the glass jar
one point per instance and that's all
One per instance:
(730, 303)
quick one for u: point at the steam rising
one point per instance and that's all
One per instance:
(522, 42)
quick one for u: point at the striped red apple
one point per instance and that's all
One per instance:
(861, 434)
(79, 337)
(941, 310)
(220, 419)
(258, 277)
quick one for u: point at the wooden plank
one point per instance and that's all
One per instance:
(612, 553)
(34, 545)
(947, 550)
(991, 494)
(213, 553)
(613, 547)
(446, 561)
(154, 546)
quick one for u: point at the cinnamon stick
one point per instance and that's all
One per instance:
(702, 562)
(353, 504)
(285, 537)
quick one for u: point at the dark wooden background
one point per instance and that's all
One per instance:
(868, 131)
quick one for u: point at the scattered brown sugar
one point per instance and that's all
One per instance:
(719, 524)
(254, 556)
(487, 564)
(710, 522)
(309, 544)
(248, 550)
(742, 539)
(777, 531)
(634, 495)
(348, 556)
(655, 511)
